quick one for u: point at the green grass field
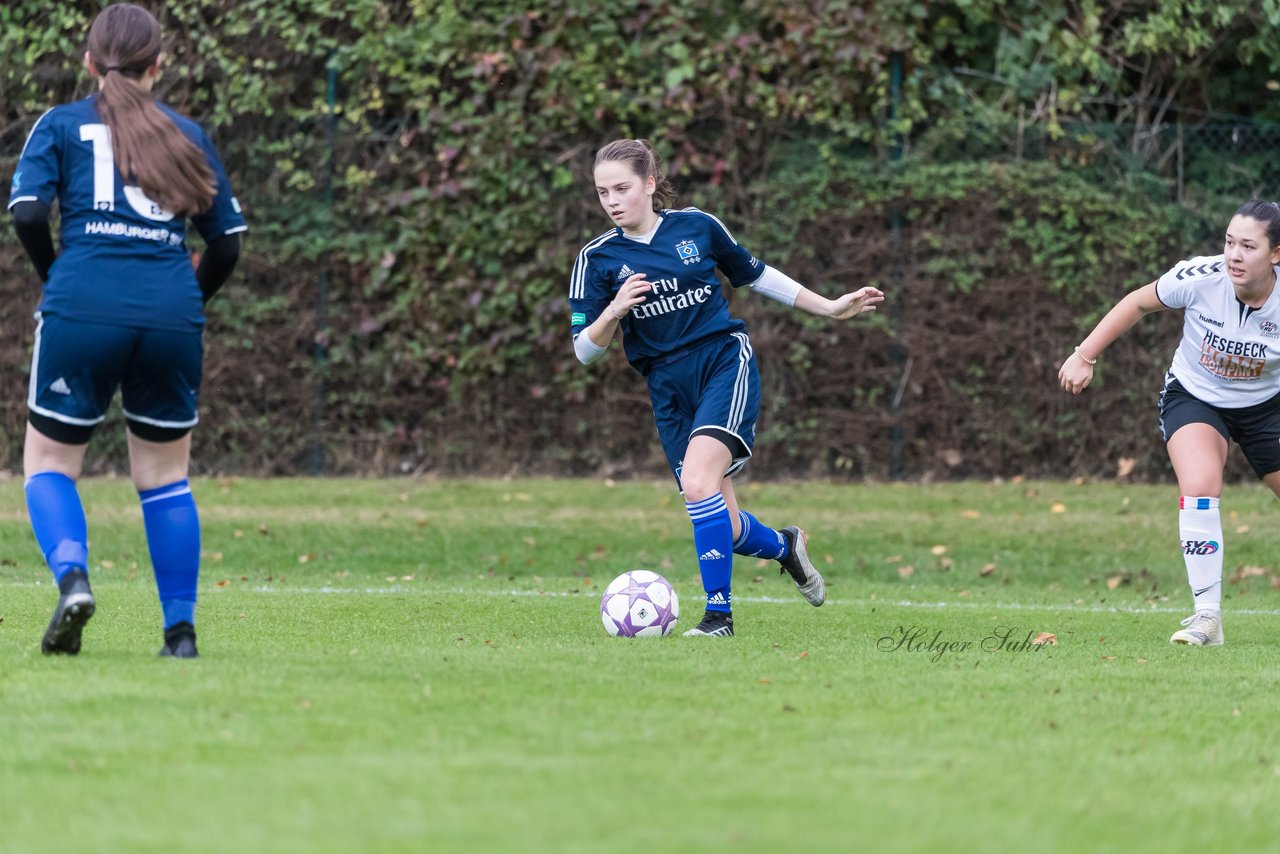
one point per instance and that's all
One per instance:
(406, 665)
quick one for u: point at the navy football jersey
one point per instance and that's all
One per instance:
(123, 258)
(686, 306)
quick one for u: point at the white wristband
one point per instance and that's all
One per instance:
(1086, 359)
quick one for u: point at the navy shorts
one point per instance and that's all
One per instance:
(76, 368)
(712, 389)
(1256, 429)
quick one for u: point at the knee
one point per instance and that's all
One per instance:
(1201, 489)
(698, 486)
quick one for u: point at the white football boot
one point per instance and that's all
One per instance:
(1203, 628)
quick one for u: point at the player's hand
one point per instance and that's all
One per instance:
(633, 292)
(1075, 374)
(851, 305)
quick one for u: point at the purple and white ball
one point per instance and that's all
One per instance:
(639, 604)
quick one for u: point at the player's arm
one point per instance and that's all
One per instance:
(216, 263)
(1077, 371)
(777, 285)
(591, 343)
(31, 223)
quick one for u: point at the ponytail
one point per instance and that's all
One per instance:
(149, 148)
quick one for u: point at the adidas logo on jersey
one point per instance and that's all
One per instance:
(60, 386)
(711, 554)
(717, 598)
(625, 273)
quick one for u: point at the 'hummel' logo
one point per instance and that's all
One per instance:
(625, 273)
(713, 554)
(60, 386)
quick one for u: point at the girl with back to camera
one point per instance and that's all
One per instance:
(1223, 385)
(653, 276)
(121, 308)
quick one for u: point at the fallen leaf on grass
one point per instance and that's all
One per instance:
(1108, 658)
(1115, 581)
(938, 550)
(906, 571)
(1242, 529)
(765, 680)
(1243, 572)
(306, 558)
(1058, 507)
(987, 569)
(223, 583)
(970, 514)
(1046, 638)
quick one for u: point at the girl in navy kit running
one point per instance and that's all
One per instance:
(653, 276)
(1223, 385)
(121, 308)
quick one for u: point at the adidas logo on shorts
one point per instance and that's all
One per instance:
(60, 386)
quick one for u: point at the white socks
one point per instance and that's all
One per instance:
(1200, 528)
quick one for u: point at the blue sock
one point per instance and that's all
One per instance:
(713, 542)
(758, 540)
(57, 518)
(173, 536)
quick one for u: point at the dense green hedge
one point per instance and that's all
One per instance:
(459, 195)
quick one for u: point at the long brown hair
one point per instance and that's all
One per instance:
(645, 162)
(124, 42)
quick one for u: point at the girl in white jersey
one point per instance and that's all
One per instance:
(1223, 385)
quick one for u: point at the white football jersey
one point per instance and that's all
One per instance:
(1229, 355)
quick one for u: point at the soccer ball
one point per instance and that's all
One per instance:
(639, 604)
